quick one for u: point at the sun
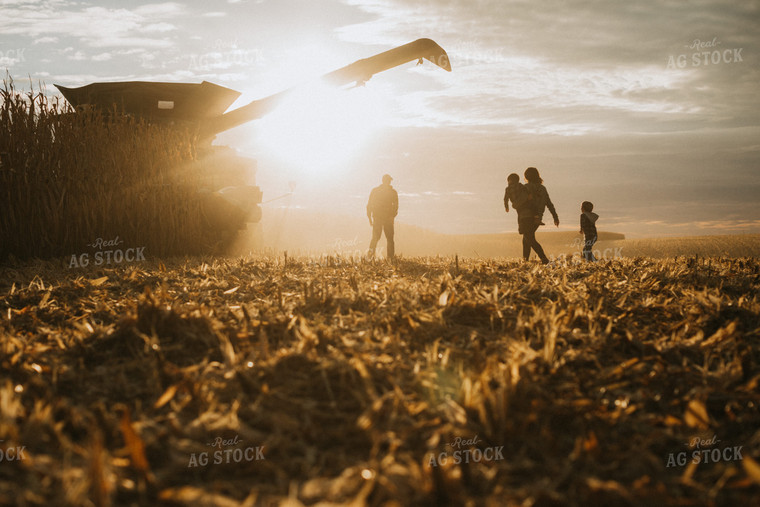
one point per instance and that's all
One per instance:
(319, 128)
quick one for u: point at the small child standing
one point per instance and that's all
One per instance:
(588, 229)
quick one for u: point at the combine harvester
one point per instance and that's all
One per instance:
(231, 202)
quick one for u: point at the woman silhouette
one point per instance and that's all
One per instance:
(539, 201)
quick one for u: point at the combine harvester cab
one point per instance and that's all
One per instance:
(230, 201)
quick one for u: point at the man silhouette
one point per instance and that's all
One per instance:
(382, 209)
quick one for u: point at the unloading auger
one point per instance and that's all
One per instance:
(358, 72)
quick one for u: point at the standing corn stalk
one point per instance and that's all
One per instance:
(68, 178)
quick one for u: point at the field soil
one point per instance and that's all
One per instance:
(335, 381)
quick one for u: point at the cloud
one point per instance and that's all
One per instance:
(730, 225)
(77, 57)
(578, 67)
(46, 40)
(93, 26)
(16, 3)
(8, 62)
(158, 28)
(566, 32)
(160, 9)
(102, 57)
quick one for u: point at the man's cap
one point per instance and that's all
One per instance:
(387, 178)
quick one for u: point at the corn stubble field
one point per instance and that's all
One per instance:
(268, 380)
(359, 381)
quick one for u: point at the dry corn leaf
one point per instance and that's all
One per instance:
(720, 335)
(690, 469)
(696, 415)
(590, 443)
(196, 497)
(44, 300)
(167, 396)
(752, 468)
(99, 485)
(134, 444)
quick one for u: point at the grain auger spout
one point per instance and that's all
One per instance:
(358, 72)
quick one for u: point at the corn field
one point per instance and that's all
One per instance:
(334, 381)
(69, 178)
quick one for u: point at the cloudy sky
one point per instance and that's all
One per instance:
(649, 109)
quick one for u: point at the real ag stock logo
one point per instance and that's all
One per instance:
(702, 451)
(226, 456)
(226, 54)
(463, 453)
(10, 57)
(108, 256)
(576, 257)
(12, 453)
(347, 247)
(705, 53)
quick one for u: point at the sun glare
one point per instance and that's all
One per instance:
(319, 128)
